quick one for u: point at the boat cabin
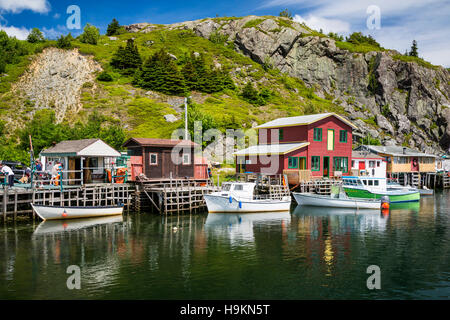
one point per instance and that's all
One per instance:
(365, 182)
(238, 190)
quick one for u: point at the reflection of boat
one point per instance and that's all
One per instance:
(426, 192)
(240, 198)
(320, 211)
(335, 201)
(414, 206)
(58, 213)
(238, 227)
(376, 188)
(55, 226)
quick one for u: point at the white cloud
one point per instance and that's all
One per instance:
(327, 25)
(56, 16)
(19, 33)
(17, 6)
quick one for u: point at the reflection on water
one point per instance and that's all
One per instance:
(310, 253)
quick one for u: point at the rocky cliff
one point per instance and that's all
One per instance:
(395, 101)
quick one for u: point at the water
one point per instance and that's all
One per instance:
(305, 254)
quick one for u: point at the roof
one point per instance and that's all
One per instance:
(148, 142)
(365, 155)
(85, 147)
(270, 149)
(302, 120)
(397, 151)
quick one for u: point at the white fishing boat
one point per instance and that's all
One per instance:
(239, 197)
(339, 200)
(61, 226)
(58, 213)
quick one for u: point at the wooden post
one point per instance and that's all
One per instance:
(15, 205)
(5, 202)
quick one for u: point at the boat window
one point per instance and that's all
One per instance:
(226, 187)
(365, 182)
(377, 183)
(238, 187)
(370, 182)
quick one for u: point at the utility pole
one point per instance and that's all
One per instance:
(185, 118)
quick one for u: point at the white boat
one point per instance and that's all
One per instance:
(239, 197)
(335, 201)
(61, 213)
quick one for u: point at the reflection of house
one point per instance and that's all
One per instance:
(317, 145)
(83, 160)
(402, 159)
(164, 158)
(368, 164)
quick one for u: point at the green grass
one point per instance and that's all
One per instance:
(358, 48)
(253, 23)
(417, 60)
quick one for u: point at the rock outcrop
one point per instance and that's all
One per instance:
(55, 79)
(408, 102)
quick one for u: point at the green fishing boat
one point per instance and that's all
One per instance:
(375, 188)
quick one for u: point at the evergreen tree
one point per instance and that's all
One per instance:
(127, 59)
(35, 36)
(286, 13)
(113, 28)
(160, 73)
(414, 51)
(250, 94)
(90, 35)
(190, 73)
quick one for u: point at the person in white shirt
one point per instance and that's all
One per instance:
(7, 170)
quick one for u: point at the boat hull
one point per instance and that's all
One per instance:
(62, 213)
(219, 204)
(309, 199)
(394, 196)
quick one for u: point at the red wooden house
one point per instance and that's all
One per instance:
(320, 145)
(155, 159)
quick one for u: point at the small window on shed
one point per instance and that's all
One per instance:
(186, 158)
(153, 158)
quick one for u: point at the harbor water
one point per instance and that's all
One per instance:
(308, 253)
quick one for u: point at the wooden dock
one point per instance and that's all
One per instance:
(167, 196)
(16, 202)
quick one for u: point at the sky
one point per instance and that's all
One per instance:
(393, 23)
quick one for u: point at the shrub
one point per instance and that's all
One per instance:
(90, 35)
(65, 42)
(105, 76)
(35, 36)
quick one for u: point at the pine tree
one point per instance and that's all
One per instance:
(250, 94)
(189, 73)
(414, 51)
(127, 59)
(113, 28)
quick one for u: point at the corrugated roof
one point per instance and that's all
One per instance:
(301, 120)
(149, 142)
(69, 146)
(264, 149)
(395, 151)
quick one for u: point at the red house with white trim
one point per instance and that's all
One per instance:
(320, 143)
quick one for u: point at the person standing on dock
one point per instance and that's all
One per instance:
(7, 170)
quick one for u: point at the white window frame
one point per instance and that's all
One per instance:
(150, 159)
(189, 159)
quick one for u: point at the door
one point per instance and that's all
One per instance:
(414, 164)
(326, 166)
(302, 163)
(362, 165)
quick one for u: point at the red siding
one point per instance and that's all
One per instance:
(316, 148)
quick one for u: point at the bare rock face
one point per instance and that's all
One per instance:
(55, 79)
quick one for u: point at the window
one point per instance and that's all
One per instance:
(153, 158)
(353, 163)
(341, 164)
(370, 182)
(293, 163)
(302, 163)
(280, 134)
(186, 159)
(377, 183)
(238, 187)
(371, 164)
(330, 140)
(315, 163)
(317, 134)
(343, 136)
(365, 182)
(378, 163)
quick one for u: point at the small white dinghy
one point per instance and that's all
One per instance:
(58, 213)
(238, 197)
(337, 199)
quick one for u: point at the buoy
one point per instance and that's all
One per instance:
(64, 214)
(240, 205)
(231, 200)
(385, 202)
